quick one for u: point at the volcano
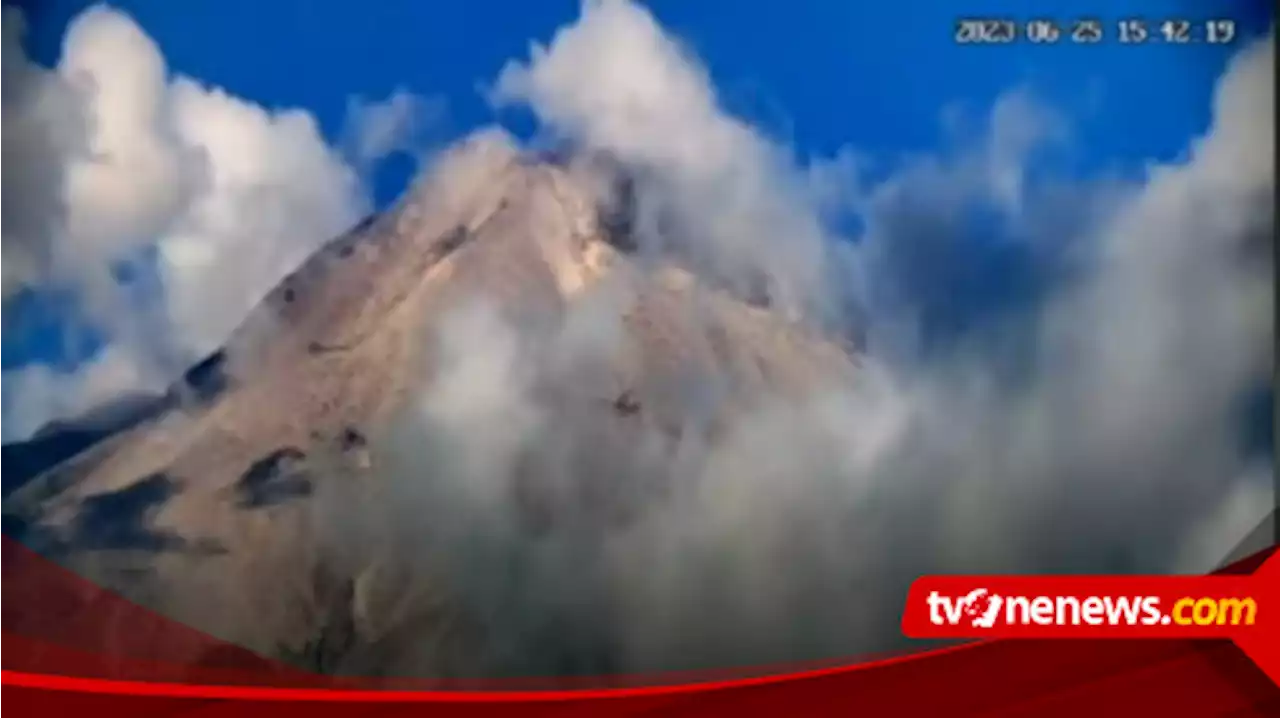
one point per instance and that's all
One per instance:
(216, 504)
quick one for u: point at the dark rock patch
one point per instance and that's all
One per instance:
(626, 404)
(118, 519)
(208, 378)
(618, 219)
(352, 440)
(275, 478)
(454, 239)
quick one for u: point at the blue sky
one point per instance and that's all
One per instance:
(818, 75)
(827, 74)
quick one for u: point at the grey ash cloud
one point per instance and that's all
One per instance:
(1110, 443)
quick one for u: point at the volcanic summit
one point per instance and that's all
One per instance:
(218, 504)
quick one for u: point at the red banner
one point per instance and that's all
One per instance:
(74, 647)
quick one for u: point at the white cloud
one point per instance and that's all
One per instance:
(711, 188)
(276, 192)
(108, 154)
(43, 127)
(394, 125)
(137, 177)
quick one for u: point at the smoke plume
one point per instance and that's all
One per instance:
(1097, 428)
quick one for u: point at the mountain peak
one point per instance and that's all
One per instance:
(335, 356)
